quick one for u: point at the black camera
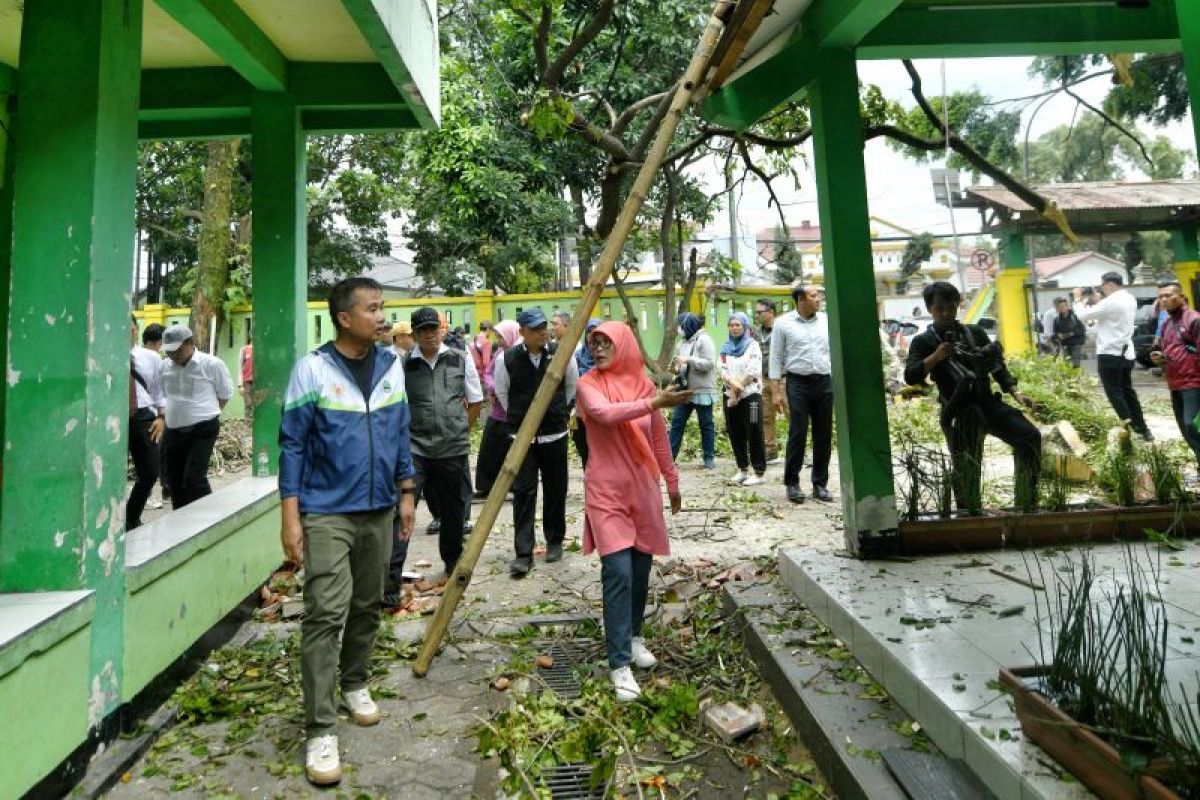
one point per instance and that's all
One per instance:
(680, 383)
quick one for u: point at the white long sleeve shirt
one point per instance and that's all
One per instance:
(149, 366)
(746, 369)
(1114, 323)
(197, 390)
(799, 346)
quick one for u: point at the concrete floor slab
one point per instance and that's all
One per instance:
(935, 633)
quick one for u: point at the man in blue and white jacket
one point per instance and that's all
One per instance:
(344, 465)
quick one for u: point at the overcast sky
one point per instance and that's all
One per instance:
(899, 189)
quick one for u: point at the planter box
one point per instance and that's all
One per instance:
(996, 529)
(1089, 758)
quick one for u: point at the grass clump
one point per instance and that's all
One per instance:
(1062, 392)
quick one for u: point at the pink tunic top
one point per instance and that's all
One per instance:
(623, 503)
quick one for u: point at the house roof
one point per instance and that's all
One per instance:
(1098, 196)
(1049, 267)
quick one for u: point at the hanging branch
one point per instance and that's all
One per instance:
(1047, 208)
(1104, 116)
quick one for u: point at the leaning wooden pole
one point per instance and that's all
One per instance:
(457, 585)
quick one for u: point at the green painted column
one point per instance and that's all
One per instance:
(280, 268)
(864, 452)
(1188, 13)
(6, 198)
(74, 143)
(1185, 250)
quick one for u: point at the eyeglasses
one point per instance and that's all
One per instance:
(602, 344)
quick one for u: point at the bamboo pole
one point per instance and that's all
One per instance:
(457, 585)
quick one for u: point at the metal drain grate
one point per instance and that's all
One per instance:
(561, 675)
(571, 782)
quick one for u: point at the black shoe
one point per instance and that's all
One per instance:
(520, 566)
(392, 598)
(1147, 436)
(822, 494)
(468, 526)
(434, 528)
(554, 552)
(794, 494)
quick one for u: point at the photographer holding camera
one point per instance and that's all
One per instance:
(1178, 353)
(1114, 315)
(962, 361)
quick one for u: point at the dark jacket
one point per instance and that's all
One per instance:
(438, 426)
(523, 382)
(1070, 329)
(925, 343)
(1180, 346)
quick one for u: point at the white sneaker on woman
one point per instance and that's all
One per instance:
(626, 685)
(738, 477)
(753, 480)
(642, 657)
(321, 761)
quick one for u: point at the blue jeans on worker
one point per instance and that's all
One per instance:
(625, 580)
(1186, 404)
(708, 433)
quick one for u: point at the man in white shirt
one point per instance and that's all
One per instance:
(518, 373)
(197, 387)
(800, 352)
(1114, 347)
(1048, 343)
(147, 404)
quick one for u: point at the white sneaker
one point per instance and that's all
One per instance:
(321, 761)
(155, 503)
(753, 480)
(625, 684)
(774, 462)
(642, 657)
(363, 710)
(737, 477)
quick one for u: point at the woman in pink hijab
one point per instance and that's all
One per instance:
(493, 447)
(623, 507)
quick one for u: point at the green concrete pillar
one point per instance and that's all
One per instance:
(74, 144)
(6, 198)
(1188, 13)
(280, 267)
(864, 452)
(1186, 254)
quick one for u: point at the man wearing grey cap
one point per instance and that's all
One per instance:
(198, 386)
(518, 375)
(444, 398)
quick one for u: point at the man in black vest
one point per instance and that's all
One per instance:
(518, 375)
(444, 398)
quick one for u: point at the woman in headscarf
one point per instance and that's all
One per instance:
(583, 362)
(623, 517)
(494, 446)
(695, 365)
(741, 372)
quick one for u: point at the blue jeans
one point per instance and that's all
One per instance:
(708, 433)
(625, 579)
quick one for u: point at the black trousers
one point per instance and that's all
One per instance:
(579, 437)
(440, 478)
(145, 465)
(188, 451)
(1116, 376)
(744, 424)
(493, 448)
(550, 460)
(965, 435)
(431, 498)
(810, 397)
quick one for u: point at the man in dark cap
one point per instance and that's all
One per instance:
(444, 397)
(518, 375)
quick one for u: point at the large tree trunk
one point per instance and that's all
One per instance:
(668, 271)
(212, 273)
(583, 235)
